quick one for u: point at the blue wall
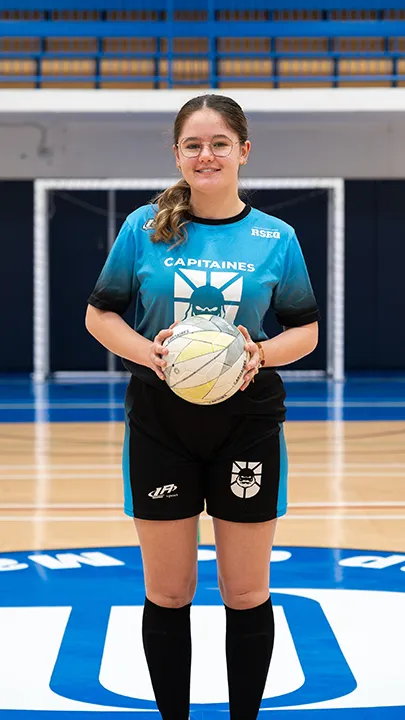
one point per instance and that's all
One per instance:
(375, 261)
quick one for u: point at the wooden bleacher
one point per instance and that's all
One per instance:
(108, 60)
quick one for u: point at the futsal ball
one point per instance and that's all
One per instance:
(206, 359)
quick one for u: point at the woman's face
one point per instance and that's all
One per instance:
(208, 172)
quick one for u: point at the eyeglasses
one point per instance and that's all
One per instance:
(191, 148)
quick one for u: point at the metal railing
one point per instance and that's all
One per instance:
(214, 52)
(193, 5)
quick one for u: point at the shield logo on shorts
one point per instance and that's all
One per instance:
(246, 478)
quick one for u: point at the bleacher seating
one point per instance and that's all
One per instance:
(174, 43)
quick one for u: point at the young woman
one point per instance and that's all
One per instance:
(201, 249)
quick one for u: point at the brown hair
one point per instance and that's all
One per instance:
(174, 203)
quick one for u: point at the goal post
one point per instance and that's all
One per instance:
(335, 260)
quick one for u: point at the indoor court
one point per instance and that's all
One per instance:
(346, 475)
(75, 595)
(89, 92)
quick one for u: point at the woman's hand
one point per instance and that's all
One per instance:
(157, 351)
(252, 366)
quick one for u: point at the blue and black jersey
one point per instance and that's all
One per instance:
(235, 268)
(238, 269)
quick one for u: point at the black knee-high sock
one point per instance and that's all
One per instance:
(166, 638)
(249, 646)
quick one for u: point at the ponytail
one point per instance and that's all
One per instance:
(171, 217)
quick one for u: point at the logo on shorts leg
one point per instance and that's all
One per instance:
(165, 491)
(246, 478)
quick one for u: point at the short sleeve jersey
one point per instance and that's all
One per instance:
(237, 268)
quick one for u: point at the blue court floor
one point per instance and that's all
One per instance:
(358, 398)
(70, 618)
(70, 628)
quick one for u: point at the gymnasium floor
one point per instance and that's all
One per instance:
(71, 590)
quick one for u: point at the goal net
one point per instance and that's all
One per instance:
(76, 222)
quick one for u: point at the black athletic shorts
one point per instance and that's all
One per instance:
(180, 458)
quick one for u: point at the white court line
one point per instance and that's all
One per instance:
(62, 506)
(347, 404)
(124, 518)
(348, 468)
(302, 473)
(343, 504)
(67, 476)
(117, 466)
(120, 405)
(62, 406)
(349, 473)
(343, 517)
(42, 472)
(115, 506)
(68, 466)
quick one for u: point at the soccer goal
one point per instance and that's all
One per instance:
(334, 189)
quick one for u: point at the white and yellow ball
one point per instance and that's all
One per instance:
(206, 359)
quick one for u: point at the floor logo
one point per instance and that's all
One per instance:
(246, 478)
(71, 635)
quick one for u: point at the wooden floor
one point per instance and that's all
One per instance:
(60, 486)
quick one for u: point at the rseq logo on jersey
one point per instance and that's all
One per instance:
(264, 233)
(71, 634)
(198, 292)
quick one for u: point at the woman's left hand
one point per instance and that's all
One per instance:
(252, 366)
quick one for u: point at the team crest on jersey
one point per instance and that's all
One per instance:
(198, 292)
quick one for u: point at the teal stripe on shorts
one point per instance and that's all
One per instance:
(282, 488)
(128, 500)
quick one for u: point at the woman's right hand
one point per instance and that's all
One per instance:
(157, 351)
